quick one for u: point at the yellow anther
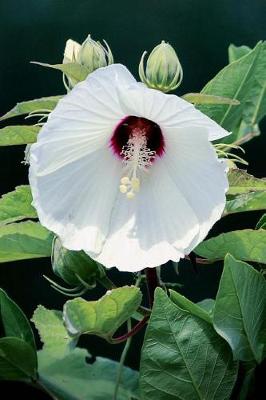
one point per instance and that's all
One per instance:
(123, 188)
(125, 180)
(130, 195)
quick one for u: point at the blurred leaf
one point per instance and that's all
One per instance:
(262, 222)
(252, 201)
(18, 134)
(236, 52)
(72, 378)
(14, 321)
(246, 244)
(242, 182)
(16, 205)
(183, 357)
(24, 240)
(104, 316)
(74, 71)
(52, 331)
(244, 80)
(201, 98)
(26, 107)
(18, 360)
(189, 306)
(240, 310)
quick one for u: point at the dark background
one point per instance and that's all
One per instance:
(200, 31)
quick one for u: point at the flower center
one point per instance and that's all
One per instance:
(137, 141)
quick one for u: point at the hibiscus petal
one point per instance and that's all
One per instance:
(154, 227)
(168, 111)
(200, 176)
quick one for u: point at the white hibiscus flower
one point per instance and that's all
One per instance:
(127, 173)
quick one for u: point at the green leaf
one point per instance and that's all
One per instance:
(183, 358)
(246, 202)
(18, 134)
(246, 244)
(14, 321)
(201, 98)
(64, 370)
(104, 316)
(52, 331)
(262, 222)
(74, 71)
(16, 205)
(189, 306)
(242, 182)
(24, 240)
(240, 310)
(236, 52)
(26, 107)
(71, 378)
(18, 360)
(244, 80)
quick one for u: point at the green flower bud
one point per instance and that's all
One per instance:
(94, 55)
(163, 69)
(72, 265)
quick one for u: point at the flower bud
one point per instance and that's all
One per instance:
(163, 69)
(72, 265)
(94, 55)
(70, 56)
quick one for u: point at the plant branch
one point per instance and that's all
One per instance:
(122, 362)
(131, 333)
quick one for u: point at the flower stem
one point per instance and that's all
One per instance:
(122, 361)
(152, 283)
(132, 332)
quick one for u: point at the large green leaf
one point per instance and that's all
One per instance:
(52, 331)
(24, 240)
(240, 310)
(104, 316)
(16, 205)
(189, 306)
(26, 107)
(71, 378)
(201, 98)
(246, 244)
(74, 71)
(183, 358)
(252, 201)
(18, 360)
(18, 134)
(14, 320)
(244, 80)
(242, 182)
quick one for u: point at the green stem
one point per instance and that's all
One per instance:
(122, 362)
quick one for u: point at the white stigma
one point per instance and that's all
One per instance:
(136, 157)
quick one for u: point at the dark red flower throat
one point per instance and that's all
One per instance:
(130, 126)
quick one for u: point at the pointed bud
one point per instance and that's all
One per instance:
(94, 55)
(163, 69)
(70, 56)
(71, 265)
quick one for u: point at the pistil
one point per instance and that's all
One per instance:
(136, 157)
